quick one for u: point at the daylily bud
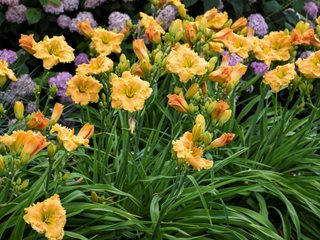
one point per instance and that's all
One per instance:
(206, 138)
(140, 49)
(212, 64)
(2, 111)
(53, 89)
(132, 125)
(176, 27)
(200, 120)
(177, 90)
(56, 113)
(204, 88)
(225, 117)
(2, 165)
(37, 121)
(178, 102)
(25, 184)
(27, 42)
(52, 149)
(239, 24)
(3, 80)
(158, 57)
(223, 140)
(193, 89)
(193, 108)
(94, 197)
(85, 28)
(86, 131)
(18, 110)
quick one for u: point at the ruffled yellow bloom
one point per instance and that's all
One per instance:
(24, 143)
(187, 153)
(5, 71)
(310, 67)
(185, 62)
(280, 77)
(83, 89)
(237, 44)
(70, 141)
(152, 28)
(47, 217)
(96, 65)
(37, 121)
(53, 51)
(304, 34)
(106, 42)
(178, 102)
(129, 92)
(273, 47)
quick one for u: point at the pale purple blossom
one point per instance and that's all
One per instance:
(234, 58)
(80, 59)
(63, 21)
(54, 9)
(259, 68)
(22, 88)
(167, 16)
(70, 5)
(31, 107)
(8, 55)
(117, 20)
(258, 23)
(16, 13)
(311, 9)
(90, 4)
(82, 16)
(9, 2)
(61, 82)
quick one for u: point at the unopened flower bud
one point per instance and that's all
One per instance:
(94, 197)
(212, 64)
(225, 117)
(132, 125)
(53, 89)
(193, 89)
(18, 110)
(56, 113)
(206, 138)
(2, 165)
(52, 149)
(158, 57)
(2, 111)
(25, 184)
(3, 80)
(177, 90)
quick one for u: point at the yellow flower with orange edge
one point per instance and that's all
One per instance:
(153, 29)
(105, 42)
(70, 141)
(310, 67)
(129, 92)
(280, 77)
(215, 19)
(187, 153)
(182, 60)
(83, 89)
(100, 64)
(304, 34)
(47, 217)
(24, 143)
(53, 51)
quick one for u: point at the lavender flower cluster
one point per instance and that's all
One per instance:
(8, 55)
(61, 82)
(22, 88)
(258, 23)
(311, 9)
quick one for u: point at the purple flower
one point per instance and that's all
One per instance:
(9, 2)
(167, 16)
(61, 82)
(234, 58)
(70, 5)
(305, 54)
(117, 20)
(54, 9)
(22, 88)
(259, 68)
(311, 9)
(90, 4)
(16, 14)
(82, 16)
(8, 55)
(31, 107)
(63, 21)
(80, 59)
(257, 22)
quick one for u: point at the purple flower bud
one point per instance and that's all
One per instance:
(8, 55)
(311, 9)
(257, 22)
(259, 68)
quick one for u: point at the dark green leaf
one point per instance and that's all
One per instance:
(33, 15)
